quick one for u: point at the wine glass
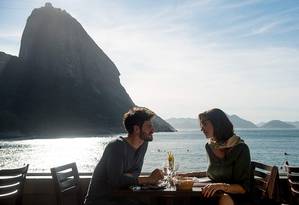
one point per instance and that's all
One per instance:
(167, 173)
(176, 168)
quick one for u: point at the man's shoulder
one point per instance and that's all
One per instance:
(116, 143)
(145, 144)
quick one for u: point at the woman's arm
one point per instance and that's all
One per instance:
(241, 170)
(233, 188)
(211, 189)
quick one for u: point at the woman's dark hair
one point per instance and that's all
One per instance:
(136, 116)
(223, 128)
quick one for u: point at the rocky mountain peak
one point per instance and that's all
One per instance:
(65, 82)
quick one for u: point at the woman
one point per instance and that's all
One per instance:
(229, 159)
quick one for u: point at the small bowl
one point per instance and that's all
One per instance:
(184, 183)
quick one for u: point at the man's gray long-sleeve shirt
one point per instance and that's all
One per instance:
(119, 166)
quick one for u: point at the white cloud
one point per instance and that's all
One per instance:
(177, 74)
(179, 67)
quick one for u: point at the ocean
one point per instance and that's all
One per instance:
(270, 146)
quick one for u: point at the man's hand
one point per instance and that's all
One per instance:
(153, 178)
(156, 175)
(210, 189)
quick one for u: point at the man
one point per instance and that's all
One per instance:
(122, 160)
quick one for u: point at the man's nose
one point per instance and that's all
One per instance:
(153, 129)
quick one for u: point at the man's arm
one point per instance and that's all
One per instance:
(137, 171)
(115, 167)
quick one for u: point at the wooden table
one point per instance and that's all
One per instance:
(168, 195)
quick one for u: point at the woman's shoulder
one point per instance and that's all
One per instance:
(241, 145)
(240, 148)
(208, 148)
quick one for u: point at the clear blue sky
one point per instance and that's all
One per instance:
(180, 58)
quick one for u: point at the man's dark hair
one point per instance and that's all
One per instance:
(136, 116)
(223, 128)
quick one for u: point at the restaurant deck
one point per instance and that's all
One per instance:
(39, 190)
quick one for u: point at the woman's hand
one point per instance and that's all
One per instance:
(210, 189)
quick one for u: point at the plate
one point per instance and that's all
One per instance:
(148, 187)
(153, 187)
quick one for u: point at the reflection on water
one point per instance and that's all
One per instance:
(268, 146)
(42, 154)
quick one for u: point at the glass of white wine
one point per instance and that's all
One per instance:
(167, 173)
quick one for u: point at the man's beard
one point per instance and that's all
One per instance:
(146, 137)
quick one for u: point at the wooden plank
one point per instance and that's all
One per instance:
(13, 172)
(62, 176)
(261, 166)
(67, 184)
(260, 184)
(9, 195)
(260, 174)
(9, 189)
(9, 180)
(64, 167)
(296, 192)
(291, 169)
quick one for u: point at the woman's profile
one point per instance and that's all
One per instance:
(228, 158)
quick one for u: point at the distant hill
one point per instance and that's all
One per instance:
(241, 123)
(191, 123)
(296, 123)
(277, 124)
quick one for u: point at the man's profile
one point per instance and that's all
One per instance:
(122, 160)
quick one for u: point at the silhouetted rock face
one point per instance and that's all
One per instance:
(68, 84)
(4, 58)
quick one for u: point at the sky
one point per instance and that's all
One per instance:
(180, 58)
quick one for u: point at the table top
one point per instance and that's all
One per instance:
(196, 191)
(170, 192)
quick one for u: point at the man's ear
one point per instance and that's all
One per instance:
(136, 129)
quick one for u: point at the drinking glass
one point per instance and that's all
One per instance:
(167, 174)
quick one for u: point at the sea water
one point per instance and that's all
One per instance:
(270, 146)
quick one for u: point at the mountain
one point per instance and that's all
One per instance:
(191, 123)
(296, 123)
(62, 82)
(277, 124)
(241, 123)
(4, 58)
